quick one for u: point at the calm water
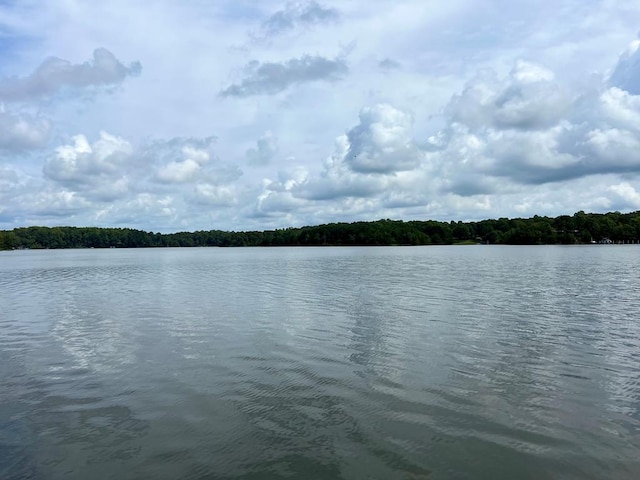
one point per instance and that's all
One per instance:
(431, 362)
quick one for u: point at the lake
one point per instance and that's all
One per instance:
(469, 362)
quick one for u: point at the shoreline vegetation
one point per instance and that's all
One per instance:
(580, 228)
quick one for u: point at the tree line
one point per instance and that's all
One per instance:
(614, 227)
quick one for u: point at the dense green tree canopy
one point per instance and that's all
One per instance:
(580, 228)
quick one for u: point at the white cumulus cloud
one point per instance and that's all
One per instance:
(534, 112)
(82, 162)
(382, 142)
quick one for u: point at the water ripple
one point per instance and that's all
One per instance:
(473, 362)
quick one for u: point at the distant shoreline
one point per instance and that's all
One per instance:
(580, 228)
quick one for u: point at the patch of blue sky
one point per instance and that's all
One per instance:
(14, 42)
(242, 11)
(10, 47)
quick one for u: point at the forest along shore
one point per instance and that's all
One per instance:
(580, 228)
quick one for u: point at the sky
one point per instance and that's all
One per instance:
(251, 115)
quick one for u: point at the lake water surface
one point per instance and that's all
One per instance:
(475, 362)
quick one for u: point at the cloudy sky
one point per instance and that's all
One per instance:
(238, 114)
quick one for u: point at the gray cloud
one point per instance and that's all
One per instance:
(273, 78)
(55, 74)
(11, 186)
(469, 187)
(58, 204)
(297, 14)
(264, 151)
(389, 64)
(22, 132)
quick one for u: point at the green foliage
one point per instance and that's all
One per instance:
(579, 228)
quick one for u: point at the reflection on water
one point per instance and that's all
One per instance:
(452, 362)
